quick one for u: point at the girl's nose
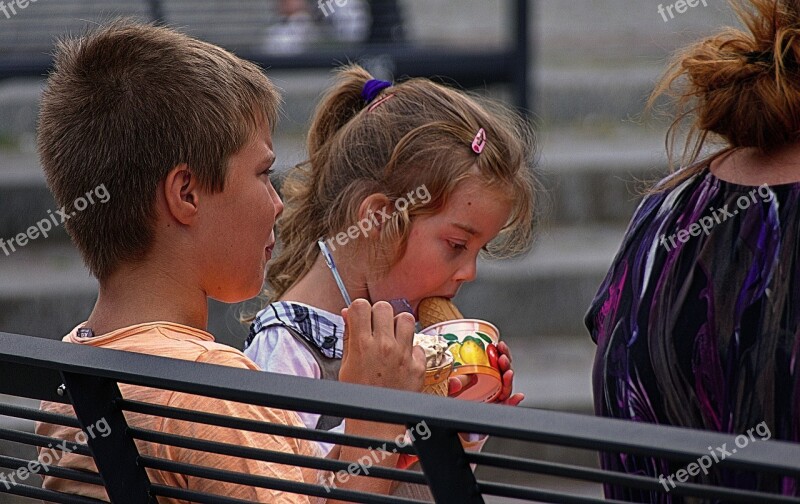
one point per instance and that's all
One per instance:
(467, 272)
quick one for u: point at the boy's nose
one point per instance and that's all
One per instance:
(277, 202)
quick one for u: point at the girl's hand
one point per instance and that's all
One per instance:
(456, 383)
(507, 377)
(378, 348)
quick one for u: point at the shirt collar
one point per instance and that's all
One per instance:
(323, 329)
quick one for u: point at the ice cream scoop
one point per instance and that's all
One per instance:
(435, 348)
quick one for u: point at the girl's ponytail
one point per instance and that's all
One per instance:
(340, 104)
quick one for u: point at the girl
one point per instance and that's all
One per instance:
(406, 185)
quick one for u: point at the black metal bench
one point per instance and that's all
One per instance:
(88, 378)
(27, 36)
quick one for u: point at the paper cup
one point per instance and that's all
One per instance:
(473, 343)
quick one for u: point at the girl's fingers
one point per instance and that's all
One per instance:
(503, 348)
(404, 331)
(456, 384)
(418, 360)
(508, 385)
(346, 337)
(382, 320)
(514, 400)
(504, 363)
(359, 322)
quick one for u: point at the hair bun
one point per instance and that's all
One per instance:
(740, 84)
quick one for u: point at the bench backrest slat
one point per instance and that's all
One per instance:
(92, 377)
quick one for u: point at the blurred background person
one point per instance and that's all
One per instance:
(302, 24)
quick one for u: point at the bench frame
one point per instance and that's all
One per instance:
(88, 378)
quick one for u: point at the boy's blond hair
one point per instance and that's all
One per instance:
(127, 103)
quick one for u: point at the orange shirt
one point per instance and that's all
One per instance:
(181, 342)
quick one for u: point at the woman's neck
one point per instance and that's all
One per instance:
(747, 166)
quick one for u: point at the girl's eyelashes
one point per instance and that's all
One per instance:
(457, 245)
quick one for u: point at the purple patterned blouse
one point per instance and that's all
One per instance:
(696, 323)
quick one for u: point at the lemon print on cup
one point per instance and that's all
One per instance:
(472, 343)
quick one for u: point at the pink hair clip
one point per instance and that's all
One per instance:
(479, 142)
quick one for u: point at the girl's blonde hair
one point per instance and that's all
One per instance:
(419, 135)
(740, 86)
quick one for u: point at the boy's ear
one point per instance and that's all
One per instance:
(375, 210)
(181, 192)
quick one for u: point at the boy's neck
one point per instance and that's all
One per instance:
(143, 293)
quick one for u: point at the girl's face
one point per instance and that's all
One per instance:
(443, 248)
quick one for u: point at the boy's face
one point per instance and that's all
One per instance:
(443, 248)
(238, 231)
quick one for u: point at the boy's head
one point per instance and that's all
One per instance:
(128, 104)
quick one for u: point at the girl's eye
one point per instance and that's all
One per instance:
(457, 245)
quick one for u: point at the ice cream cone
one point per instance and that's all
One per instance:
(436, 378)
(433, 310)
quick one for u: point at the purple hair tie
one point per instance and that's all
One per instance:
(372, 87)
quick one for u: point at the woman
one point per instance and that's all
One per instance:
(696, 323)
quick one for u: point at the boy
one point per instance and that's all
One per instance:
(179, 133)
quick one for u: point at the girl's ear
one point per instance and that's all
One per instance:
(373, 213)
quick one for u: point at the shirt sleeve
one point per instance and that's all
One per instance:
(238, 438)
(274, 349)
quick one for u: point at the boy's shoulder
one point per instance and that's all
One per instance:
(166, 339)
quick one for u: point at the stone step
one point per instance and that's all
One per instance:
(548, 290)
(590, 60)
(590, 176)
